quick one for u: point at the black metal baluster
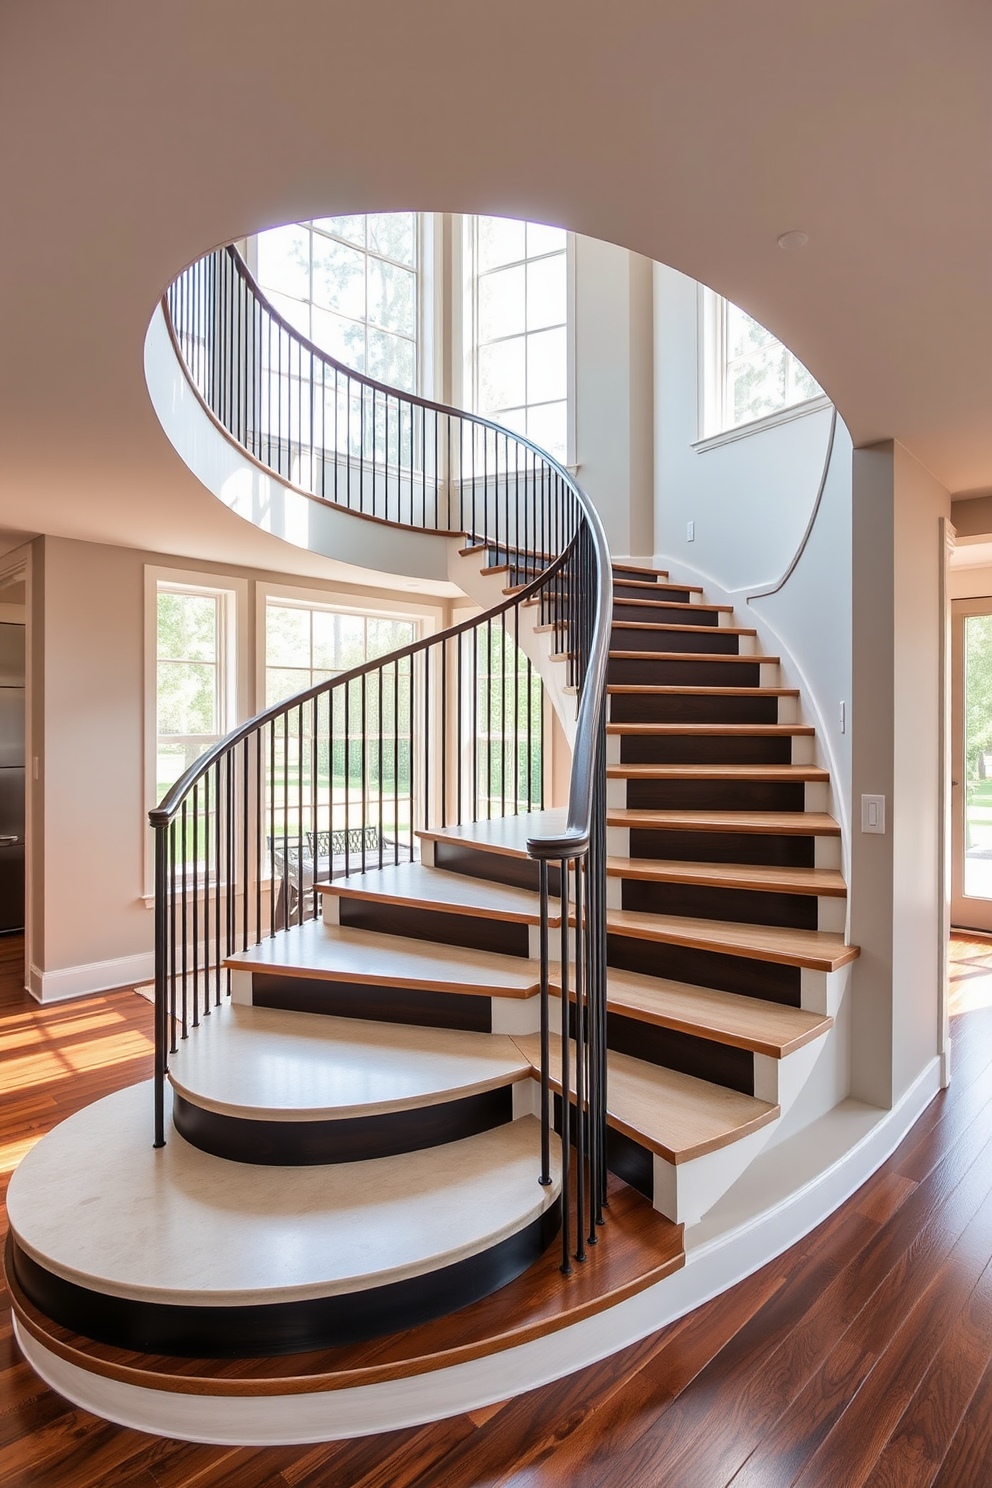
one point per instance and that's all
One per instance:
(566, 1107)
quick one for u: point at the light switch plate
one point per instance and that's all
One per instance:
(690, 532)
(873, 814)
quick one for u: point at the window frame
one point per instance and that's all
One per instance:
(235, 693)
(470, 321)
(713, 426)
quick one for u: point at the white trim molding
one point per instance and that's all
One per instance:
(95, 976)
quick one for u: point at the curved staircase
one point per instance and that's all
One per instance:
(346, 1221)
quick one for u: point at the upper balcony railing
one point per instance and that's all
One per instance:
(443, 731)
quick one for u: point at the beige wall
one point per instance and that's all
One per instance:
(88, 688)
(897, 718)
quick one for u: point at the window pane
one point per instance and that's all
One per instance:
(393, 234)
(541, 239)
(392, 297)
(283, 682)
(284, 260)
(547, 425)
(287, 636)
(387, 635)
(546, 293)
(187, 626)
(342, 339)
(744, 334)
(352, 228)
(514, 419)
(187, 698)
(391, 360)
(546, 366)
(297, 312)
(757, 384)
(501, 241)
(978, 756)
(501, 375)
(501, 304)
(339, 277)
(804, 384)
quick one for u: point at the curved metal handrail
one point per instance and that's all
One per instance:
(537, 524)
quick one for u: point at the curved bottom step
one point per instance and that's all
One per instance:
(638, 1248)
(213, 1261)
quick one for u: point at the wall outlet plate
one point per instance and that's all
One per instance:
(690, 532)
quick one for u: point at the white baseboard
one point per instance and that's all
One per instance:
(97, 976)
(715, 1262)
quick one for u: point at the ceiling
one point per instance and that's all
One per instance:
(136, 134)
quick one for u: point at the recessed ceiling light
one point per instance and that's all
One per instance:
(793, 239)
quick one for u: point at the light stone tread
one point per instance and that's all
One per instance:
(828, 882)
(676, 1115)
(205, 1231)
(817, 950)
(277, 1065)
(776, 823)
(417, 885)
(336, 953)
(723, 1017)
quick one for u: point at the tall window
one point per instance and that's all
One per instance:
(192, 710)
(519, 314)
(352, 285)
(748, 373)
(306, 644)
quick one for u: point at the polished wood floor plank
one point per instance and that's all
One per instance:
(862, 1356)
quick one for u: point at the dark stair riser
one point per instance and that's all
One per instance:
(668, 707)
(767, 849)
(700, 902)
(249, 1330)
(350, 1139)
(420, 1006)
(768, 980)
(715, 795)
(716, 642)
(416, 922)
(474, 862)
(631, 1162)
(631, 589)
(670, 1048)
(651, 609)
(705, 749)
(679, 672)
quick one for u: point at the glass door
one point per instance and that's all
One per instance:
(971, 766)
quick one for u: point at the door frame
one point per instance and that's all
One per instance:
(971, 912)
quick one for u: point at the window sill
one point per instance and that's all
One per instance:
(758, 426)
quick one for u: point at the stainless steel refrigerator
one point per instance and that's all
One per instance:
(11, 777)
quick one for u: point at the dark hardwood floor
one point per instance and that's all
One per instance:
(861, 1356)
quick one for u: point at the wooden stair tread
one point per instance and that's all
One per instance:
(335, 953)
(676, 689)
(502, 834)
(818, 950)
(712, 730)
(723, 1017)
(717, 656)
(618, 567)
(721, 630)
(828, 882)
(643, 1248)
(718, 772)
(432, 888)
(678, 1116)
(260, 1063)
(669, 604)
(776, 823)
